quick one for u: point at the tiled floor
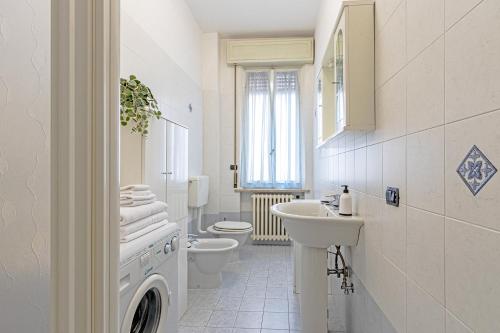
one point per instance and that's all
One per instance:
(256, 296)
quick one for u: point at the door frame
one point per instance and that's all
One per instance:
(85, 166)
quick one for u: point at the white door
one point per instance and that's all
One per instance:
(155, 158)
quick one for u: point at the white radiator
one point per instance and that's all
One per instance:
(266, 226)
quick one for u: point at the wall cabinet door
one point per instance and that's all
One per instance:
(177, 171)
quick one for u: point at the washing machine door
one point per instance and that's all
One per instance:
(147, 311)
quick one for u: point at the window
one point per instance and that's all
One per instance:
(271, 154)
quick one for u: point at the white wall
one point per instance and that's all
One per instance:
(430, 265)
(161, 44)
(24, 165)
(172, 27)
(211, 118)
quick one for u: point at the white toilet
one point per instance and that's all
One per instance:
(198, 197)
(231, 229)
(206, 259)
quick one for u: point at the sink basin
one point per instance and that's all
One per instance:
(316, 227)
(311, 223)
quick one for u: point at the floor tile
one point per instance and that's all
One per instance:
(276, 305)
(252, 304)
(218, 330)
(228, 303)
(195, 317)
(248, 319)
(184, 329)
(275, 320)
(254, 291)
(222, 319)
(277, 292)
(295, 321)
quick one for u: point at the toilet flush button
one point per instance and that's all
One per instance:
(145, 258)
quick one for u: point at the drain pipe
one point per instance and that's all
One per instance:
(344, 272)
(199, 211)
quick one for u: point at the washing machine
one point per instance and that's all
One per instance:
(148, 282)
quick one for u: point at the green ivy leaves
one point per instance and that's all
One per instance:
(137, 105)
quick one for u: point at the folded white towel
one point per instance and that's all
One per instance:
(142, 232)
(134, 203)
(136, 187)
(132, 214)
(138, 197)
(136, 193)
(142, 223)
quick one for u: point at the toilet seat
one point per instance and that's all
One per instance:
(232, 226)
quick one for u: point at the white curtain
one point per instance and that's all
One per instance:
(287, 129)
(271, 138)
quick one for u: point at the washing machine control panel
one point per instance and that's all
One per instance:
(145, 259)
(174, 243)
(167, 248)
(154, 253)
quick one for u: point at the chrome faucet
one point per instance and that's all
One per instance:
(192, 239)
(334, 202)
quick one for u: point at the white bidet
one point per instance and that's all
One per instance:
(206, 259)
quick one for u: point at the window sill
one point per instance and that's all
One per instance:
(271, 190)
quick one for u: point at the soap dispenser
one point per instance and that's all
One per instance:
(345, 206)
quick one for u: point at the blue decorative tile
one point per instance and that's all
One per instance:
(476, 170)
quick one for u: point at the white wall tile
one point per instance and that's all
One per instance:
(394, 166)
(342, 169)
(425, 89)
(456, 9)
(472, 67)
(425, 171)
(374, 219)
(390, 47)
(424, 24)
(360, 140)
(424, 314)
(394, 235)
(453, 325)
(425, 251)
(374, 170)
(393, 298)
(383, 11)
(483, 132)
(360, 169)
(472, 271)
(391, 109)
(349, 164)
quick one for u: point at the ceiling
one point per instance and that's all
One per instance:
(256, 18)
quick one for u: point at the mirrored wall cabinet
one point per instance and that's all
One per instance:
(345, 84)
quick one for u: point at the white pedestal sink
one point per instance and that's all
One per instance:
(316, 227)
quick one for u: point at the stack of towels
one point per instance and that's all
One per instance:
(136, 195)
(140, 216)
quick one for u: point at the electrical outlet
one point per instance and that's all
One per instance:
(392, 196)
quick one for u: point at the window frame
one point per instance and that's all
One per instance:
(241, 114)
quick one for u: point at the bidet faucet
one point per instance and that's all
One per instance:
(192, 238)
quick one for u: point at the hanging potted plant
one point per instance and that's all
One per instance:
(137, 105)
